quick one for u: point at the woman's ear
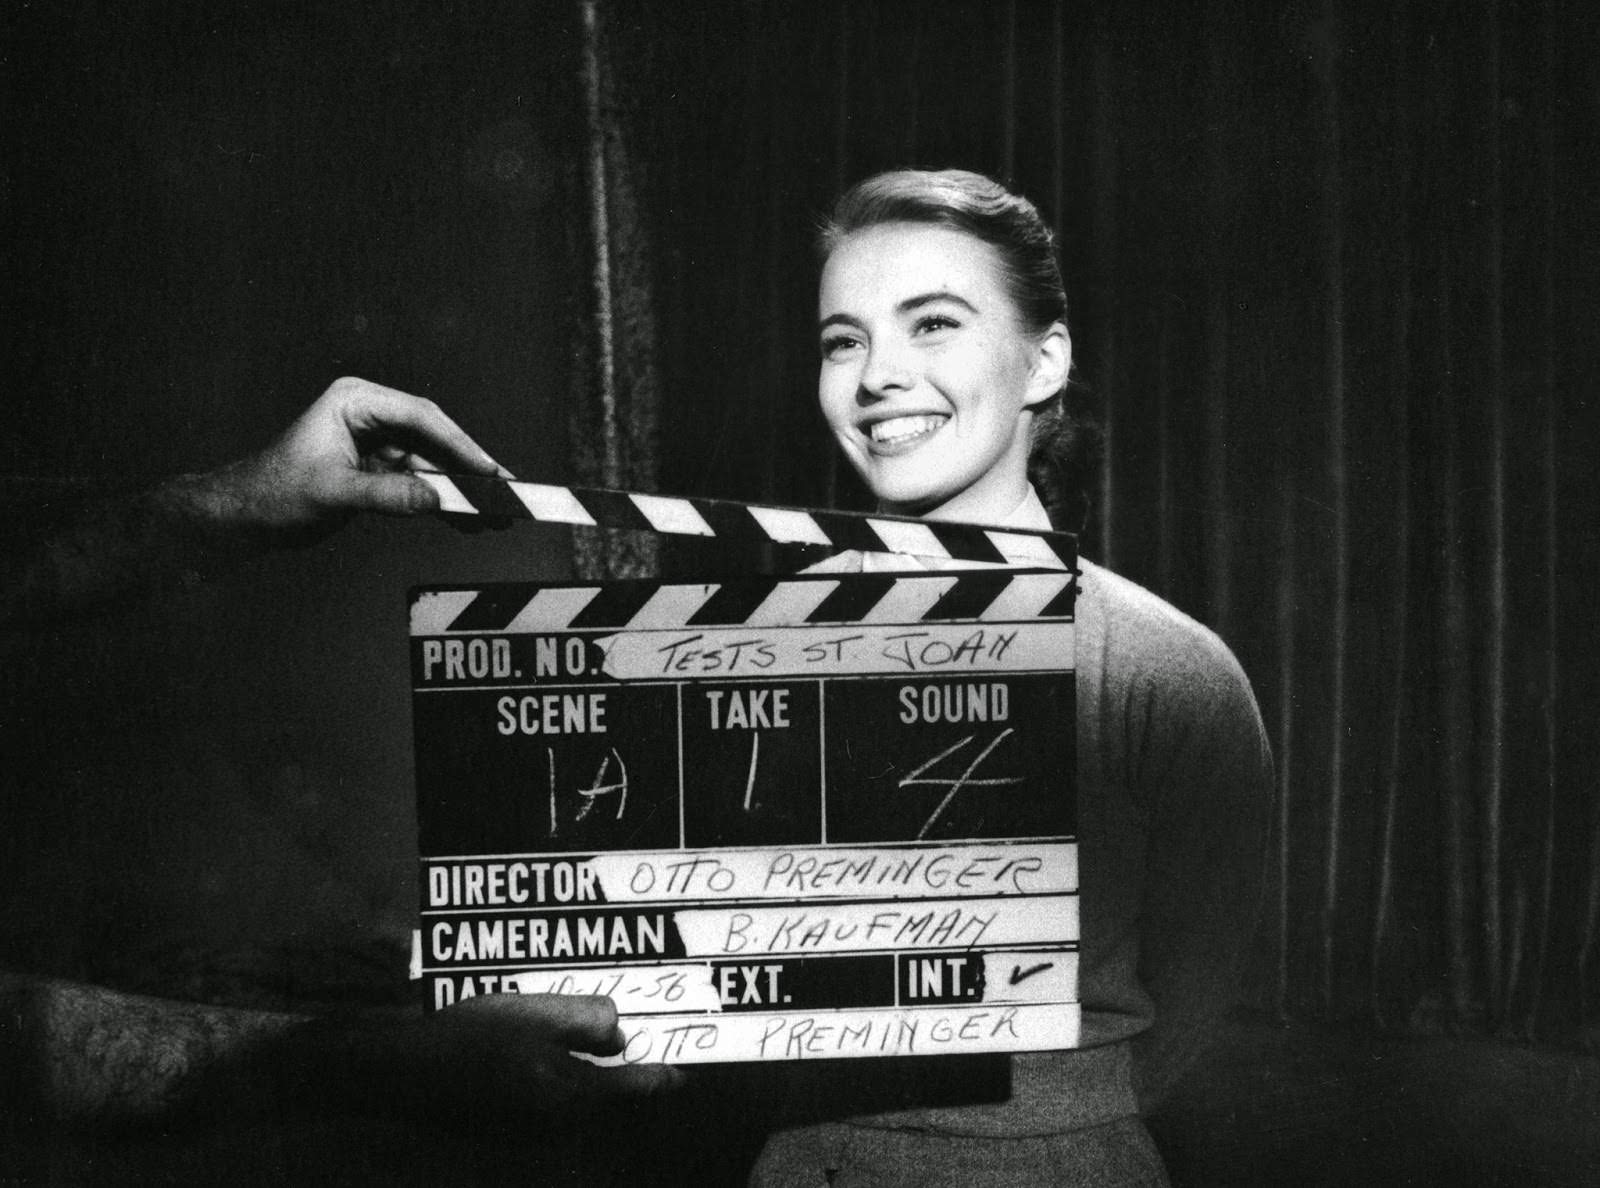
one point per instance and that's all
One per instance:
(1052, 363)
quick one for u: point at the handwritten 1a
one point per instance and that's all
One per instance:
(594, 791)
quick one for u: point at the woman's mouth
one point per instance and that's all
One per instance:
(899, 434)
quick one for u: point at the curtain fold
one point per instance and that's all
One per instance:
(612, 422)
(1331, 296)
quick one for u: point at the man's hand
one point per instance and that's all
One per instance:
(347, 453)
(87, 1056)
(502, 1053)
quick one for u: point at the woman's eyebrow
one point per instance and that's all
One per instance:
(909, 305)
(839, 319)
(917, 302)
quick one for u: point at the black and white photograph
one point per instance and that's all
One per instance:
(800, 592)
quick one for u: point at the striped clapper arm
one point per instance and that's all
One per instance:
(735, 522)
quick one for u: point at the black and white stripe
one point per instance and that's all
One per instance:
(729, 520)
(980, 596)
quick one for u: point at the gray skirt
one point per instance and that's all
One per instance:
(1112, 1155)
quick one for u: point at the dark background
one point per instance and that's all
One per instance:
(1333, 280)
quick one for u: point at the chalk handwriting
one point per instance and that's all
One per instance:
(850, 927)
(675, 1042)
(682, 655)
(807, 874)
(1020, 975)
(796, 1036)
(864, 870)
(596, 984)
(828, 649)
(626, 986)
(549, 753)
(745, 651)
(750, 781)
(964, 780)
(921, 649)
(593, 793)
(598, 789)
(695, 875)
(915, 651)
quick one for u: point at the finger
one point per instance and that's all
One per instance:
(376, 414)
(581, 1022)
(386, 494)
(370, 408)
(390, 457)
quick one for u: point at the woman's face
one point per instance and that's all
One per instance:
(928, 373)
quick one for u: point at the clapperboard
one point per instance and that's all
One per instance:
(774, 818)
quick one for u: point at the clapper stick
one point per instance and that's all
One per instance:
(981, 596)
(728, 520)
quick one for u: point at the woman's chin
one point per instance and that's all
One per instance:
(943, 506)
(905, 499)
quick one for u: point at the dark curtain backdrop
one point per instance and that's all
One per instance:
(1333, 279)
(1333, 287)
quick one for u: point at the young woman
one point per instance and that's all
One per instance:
(944, 355)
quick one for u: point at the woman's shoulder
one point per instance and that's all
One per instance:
(1138, 634)
(1128, 606)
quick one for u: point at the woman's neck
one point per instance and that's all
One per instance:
(990, 506)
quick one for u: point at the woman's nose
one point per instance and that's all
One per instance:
(887, 371)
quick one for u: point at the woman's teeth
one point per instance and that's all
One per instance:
(899, 429)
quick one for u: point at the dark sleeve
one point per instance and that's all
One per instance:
(1208, 791)
(86, 1055)
(115, 549)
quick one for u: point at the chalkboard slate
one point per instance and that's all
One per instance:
(812, 817)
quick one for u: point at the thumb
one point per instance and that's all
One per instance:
(586, 1023)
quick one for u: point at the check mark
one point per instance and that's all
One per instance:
(1019, 975)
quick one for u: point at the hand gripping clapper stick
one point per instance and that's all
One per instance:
(775, 818)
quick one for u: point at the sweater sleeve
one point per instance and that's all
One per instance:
(1206, 783)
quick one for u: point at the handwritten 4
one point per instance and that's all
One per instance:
(964, 780)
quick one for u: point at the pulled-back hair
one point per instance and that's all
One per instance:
(1062, 448)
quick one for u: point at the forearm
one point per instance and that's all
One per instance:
(87, 1056)
(84, 1055)
(119, 548)
(349, 452)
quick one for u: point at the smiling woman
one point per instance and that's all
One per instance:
(944, 354)
(930, 378)
(934, 362)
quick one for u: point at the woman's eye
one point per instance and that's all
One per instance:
(836, 344)
(933, 323)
